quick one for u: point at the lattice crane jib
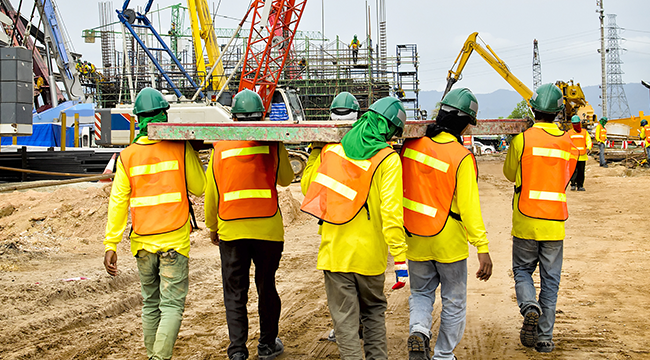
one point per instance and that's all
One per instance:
(269, 46)
(203, 32)
(537, 67)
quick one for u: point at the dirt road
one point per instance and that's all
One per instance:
(57, 302)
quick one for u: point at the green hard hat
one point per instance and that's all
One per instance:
(345, 100)
(463, 100)
(547, 99)
(603, 120)
(390, 108)
(644, 122)
(247, 102)
(575, 119)
(149, 100)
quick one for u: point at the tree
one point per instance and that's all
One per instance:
(521, 111)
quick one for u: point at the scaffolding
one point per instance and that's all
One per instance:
(407, 85)
(318, 69)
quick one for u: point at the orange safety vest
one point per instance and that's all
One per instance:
(156, 172)
(602, 133)
(547, 163)
(430, 174)
(245, 173)
(579, 140)
(341, 186)
(647, 135)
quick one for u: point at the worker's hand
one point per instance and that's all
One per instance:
(484, 267)
(401, 274)
(110, 262)
(214, 237)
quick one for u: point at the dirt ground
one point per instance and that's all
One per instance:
(57, 302)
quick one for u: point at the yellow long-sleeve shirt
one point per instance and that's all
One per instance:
(361, 245)
(642, 135)
(599, 129)
(523, 226)
(118, 204)
(450, 245)
(270, 228)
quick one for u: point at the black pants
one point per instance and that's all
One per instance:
(578, 178)
(236, 259)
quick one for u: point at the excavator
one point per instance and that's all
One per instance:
(574, 99)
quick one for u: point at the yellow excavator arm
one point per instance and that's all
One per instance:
(203, 33)
(492, 59)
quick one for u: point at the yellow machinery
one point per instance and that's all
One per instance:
(203, 34)
(574, 98)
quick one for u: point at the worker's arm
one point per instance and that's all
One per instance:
(513, 157)
(285, 172)
(588, 140)
(469, 206)
(211, 202)
(117, 208)
(194, 174)
(309, 173)
(598, 130)
(642, 134)
(392, 210)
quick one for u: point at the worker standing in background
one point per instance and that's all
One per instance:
(601, 139)
(344, 107)
(355, 48)
(355, 189)
(540, 162)
(153, 178)
(582, 141)
(441, 214)
(645, 136)
(243, 215)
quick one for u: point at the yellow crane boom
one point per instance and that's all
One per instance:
(203, 34)
(492, 59)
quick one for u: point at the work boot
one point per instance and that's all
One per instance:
(418, 345)
(331, 336)
(270, 352)
(573, 188)
(545, 346)
(528, 333)
(581, 189)
(238, 356)
(605, 166)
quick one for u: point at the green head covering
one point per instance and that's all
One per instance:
(143, 121)
(603, 121)
(368, 135)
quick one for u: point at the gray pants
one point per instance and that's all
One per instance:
(601, 154)
(647, 154)
(351, 297)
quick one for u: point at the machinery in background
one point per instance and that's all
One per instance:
(574, 99)
(204, 37)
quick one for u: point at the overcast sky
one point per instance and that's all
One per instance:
(567, 32)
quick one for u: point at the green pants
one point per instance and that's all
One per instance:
(164, 283)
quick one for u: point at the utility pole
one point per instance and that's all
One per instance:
(603, 72)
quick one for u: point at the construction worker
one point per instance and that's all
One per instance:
(601, 139)
(153, 178)
(355, 48)
(441, 214)
(582, 141)
(503, 144)
(645, 135)
(355, 189)
(344, 107)
(540, 162)
(242, 213)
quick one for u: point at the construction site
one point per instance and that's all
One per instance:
(64, 120)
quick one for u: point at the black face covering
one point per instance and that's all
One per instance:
(450, 122)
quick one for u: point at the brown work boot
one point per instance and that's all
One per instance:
(418, 345)
(528, 333)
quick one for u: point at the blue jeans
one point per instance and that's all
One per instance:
(526, 255)
(164, 284)
(424, 277)
(647, 154)
(601, 154)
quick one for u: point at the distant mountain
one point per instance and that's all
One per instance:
(501, 102)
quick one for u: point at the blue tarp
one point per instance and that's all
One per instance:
(43, 135)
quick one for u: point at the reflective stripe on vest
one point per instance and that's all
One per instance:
(430, 175)
(547, 163)
(341, 185)
(579, 140)
(245, 173)
(156, 174)
(647, 133)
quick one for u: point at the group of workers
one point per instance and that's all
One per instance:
(421, 205)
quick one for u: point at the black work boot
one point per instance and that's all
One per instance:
(528, 333)
(270, 352)
(418, 345)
